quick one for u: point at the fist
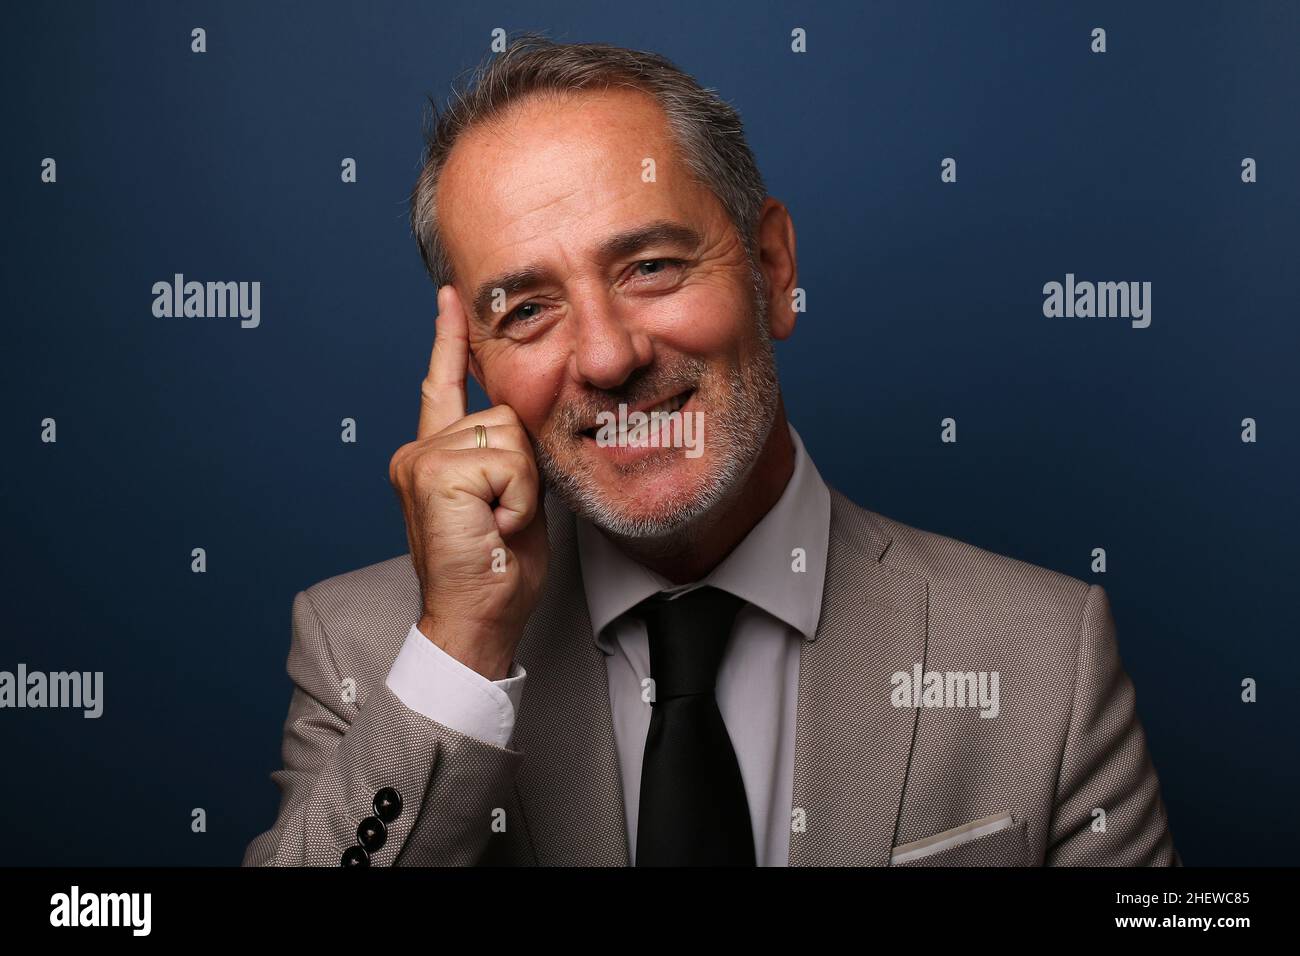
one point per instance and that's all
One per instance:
(471, 498)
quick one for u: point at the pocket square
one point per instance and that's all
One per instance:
(918, 849)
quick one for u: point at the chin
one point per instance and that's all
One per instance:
(653, 498)
(655, 503)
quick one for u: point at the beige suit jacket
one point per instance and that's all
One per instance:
(1061, 776)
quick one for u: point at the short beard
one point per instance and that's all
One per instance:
(739, 434)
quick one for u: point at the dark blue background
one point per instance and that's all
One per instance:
(924, 302)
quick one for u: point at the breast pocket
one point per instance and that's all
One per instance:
(997, 840)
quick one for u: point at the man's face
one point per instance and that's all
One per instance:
(624, 283)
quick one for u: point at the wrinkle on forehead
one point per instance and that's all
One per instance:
(545, 181)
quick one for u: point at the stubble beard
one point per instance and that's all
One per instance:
(736, 434)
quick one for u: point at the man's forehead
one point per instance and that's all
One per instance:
(564, 179)
(538, 139)
(578, 162)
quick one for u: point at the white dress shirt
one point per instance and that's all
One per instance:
(758, 680)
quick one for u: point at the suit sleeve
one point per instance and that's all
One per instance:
(1105, 765)
(339, 753)
(431, 682)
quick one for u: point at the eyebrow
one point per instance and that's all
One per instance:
(618, 246)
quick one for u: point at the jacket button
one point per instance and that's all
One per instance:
(355, 856)
(388, 804)
(372, 834)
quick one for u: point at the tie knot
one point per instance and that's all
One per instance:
(688, 636)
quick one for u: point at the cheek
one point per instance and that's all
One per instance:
(703, 320)
(527, 378)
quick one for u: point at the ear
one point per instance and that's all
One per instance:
(776, 259)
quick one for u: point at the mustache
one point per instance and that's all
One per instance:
(642, 388)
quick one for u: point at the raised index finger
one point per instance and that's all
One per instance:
(442, 395)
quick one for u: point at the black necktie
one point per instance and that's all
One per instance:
(693, 808)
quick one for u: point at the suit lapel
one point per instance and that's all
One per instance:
(852, 747)
(569, 783)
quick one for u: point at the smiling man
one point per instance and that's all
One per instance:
(605, 649)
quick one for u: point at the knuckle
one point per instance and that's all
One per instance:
(518, 434)
(519, 461)
(427, 465)
(395, 464)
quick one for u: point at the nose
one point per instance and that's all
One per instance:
(607, 346)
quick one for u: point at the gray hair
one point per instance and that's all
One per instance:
(707, 131)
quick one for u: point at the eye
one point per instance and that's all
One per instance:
(518, 314)
(657, 267)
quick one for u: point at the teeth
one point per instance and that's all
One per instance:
(641, 433)
(668, 406)
(672, 405)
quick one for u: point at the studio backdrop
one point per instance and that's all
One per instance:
(959, 174)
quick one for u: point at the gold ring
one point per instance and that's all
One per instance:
(480, 436)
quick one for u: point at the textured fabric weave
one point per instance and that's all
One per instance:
(869, 775)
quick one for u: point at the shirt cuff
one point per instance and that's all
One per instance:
(431, 682)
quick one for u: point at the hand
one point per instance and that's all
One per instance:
(474, 517)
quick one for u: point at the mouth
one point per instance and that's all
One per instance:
(666, 406)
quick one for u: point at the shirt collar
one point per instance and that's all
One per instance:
(761, 570)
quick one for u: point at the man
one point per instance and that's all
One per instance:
(604, 649)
